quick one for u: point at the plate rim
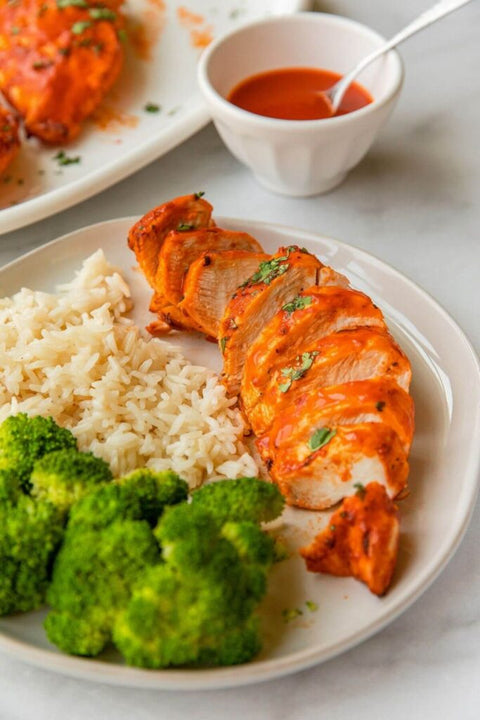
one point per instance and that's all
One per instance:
(73, 193)
(263, 670)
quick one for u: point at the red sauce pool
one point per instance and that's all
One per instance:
(291, 94)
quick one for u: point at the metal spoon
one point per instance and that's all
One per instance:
(334, 95)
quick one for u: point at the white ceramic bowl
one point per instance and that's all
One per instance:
(298, 157)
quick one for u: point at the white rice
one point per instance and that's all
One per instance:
(135, 402)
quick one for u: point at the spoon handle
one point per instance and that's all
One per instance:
(439, 10)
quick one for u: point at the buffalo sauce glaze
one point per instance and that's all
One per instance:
(293, 94)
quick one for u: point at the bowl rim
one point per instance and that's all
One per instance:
(234, 112)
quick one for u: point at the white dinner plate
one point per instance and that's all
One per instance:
(159, 69)
(445, 460)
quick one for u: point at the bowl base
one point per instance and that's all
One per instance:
(309, 189)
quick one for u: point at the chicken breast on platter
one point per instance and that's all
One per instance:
(361, 540)
(58, 59)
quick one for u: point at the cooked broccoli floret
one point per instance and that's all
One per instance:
(24, 439)
(30, 532)
(10, 485)
(243, 499)
(65, 475)
(142, 495)
(198, 606)
(108, 545)
(93, 576)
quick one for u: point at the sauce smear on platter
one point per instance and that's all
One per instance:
(292, 94)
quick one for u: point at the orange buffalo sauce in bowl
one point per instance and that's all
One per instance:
(295, 94)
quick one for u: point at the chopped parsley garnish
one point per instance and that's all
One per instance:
(63, 159)
(332, 528)
(295, 373)
(312, 606)
(41, 64)
(79, 27)
(380, 405)
(122, 35)
(152, 108)
(199, 195)
(185, 226)
(223, 343)
(61, 4)
(15, 30)
(101, 13)
(64, 51)
(6, 128)
(298, 303)
(267, 271)
(321, 437)
(360, 490)
(290, 614)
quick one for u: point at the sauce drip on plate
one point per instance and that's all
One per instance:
(292, 94)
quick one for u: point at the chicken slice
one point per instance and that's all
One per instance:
(309, 316)
(58, 58)
(169, 317)
(9, 138)
(210, 283)
(325, 465)
(182, 247)
(361, 540)
(256, 301)
(374, 400)
(344, 356)
(148, 234)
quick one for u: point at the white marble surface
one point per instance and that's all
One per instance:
(413, 202)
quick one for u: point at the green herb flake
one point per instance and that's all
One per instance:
(185, 226)
(295, 373)
(15, 30)
(223, 343)
(6, 128)
(321, 437)
(101, 13)
(65, 51)
(380, 405)
(199, 195)
(152, 108)
(62, 4)
(289, 614)
(312, 606)
(63, 159)
(41, 64)
(267, 271)
(298, 303)
(79, 27)
(360, 490)
(122, 35)
(332, 528)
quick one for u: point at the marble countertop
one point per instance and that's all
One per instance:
(414, 203)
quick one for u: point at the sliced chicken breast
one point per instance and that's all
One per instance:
(182, 247)
(375, 400)
(300, 323)
(276, 282)
(147, 236)
(325, 465)
(361, 540)
(210, 283)
(344, 356)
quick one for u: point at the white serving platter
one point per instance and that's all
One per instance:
(445, 460)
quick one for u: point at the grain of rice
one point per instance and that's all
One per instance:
(133, 401)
